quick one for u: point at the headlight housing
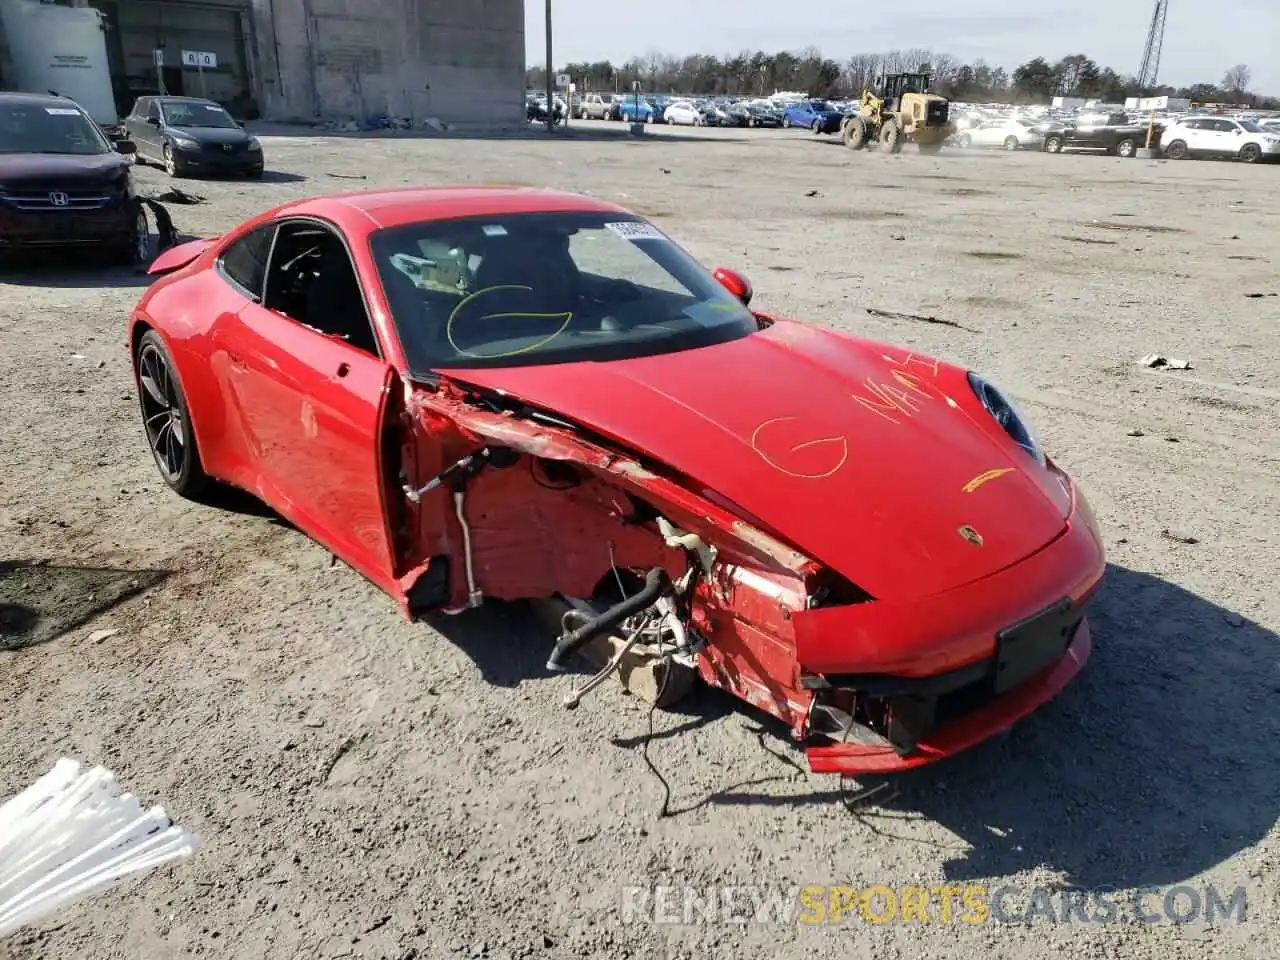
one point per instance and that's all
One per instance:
(184, 143)
(1007, 415)
(254, 143)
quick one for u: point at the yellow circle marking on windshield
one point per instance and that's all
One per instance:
(448, 327)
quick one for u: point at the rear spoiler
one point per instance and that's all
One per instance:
(175, 258)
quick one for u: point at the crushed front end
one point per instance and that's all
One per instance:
(510, 503)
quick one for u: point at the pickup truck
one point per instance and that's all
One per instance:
(1112, 133)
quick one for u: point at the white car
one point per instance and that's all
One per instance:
(1007, 133)
(1220, 137)
(683, 112)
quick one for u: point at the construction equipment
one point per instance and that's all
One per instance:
(902, 112)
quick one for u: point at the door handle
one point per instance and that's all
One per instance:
(344, 369)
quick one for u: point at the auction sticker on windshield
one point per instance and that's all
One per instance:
(635, 230)
(62, 111)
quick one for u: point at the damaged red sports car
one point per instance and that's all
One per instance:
(469, 393)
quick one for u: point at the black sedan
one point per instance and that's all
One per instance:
(192, 136)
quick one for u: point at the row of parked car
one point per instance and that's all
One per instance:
(820, 116)
(1121, 135)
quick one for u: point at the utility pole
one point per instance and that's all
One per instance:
(551, 77)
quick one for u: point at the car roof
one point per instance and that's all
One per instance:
(366, 211)
(165, 98)
(35, 99)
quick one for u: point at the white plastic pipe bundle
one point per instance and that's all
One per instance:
(72, 834)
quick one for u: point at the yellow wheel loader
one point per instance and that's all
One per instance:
(902, 112)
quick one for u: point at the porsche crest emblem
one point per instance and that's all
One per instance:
(970, 534)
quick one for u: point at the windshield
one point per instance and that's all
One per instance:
(538, 288)
(198, 115)
(819, 105)
(32, 128)
(1251, 126)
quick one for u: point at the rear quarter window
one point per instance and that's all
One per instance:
(244, 262)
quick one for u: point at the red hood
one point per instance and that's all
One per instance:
(876, 488)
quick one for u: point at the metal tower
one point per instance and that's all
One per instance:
(1150, 69)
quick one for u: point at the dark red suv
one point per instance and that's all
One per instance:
(63, 183)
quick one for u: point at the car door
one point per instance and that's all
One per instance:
(135, 119)
(982, 133)
(1202, 135)
(1225, 138)
(310, 391)
(152, 125)
(1084, 133)
(141, 132)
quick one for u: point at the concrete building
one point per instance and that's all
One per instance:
(459, 61)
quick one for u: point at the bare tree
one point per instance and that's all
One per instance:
(1236, 80)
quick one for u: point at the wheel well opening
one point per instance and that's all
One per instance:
(140, 329)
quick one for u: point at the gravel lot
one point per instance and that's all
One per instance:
(370, 788)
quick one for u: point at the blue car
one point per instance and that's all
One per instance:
(816, 115)
(630, 110)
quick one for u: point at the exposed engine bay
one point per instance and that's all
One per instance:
(513, 503)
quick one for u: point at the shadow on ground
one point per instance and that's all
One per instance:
(1155, 765)
(40, 602)
(67, 270)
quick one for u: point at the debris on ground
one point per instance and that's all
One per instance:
(813, 193)
(1135, 433)
(918, 317)
(174, 195)
(1177, 537)
(348, 176)
(1256, 296)
(1158, 362)
(99, 635)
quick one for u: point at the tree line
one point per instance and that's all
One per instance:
(761, 74)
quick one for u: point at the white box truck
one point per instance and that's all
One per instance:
(60, 49)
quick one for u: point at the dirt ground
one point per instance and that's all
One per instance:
(370, 788)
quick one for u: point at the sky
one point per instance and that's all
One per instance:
(1203, 38)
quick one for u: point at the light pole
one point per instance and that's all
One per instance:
(551, 77)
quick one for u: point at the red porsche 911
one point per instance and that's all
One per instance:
(515, 393)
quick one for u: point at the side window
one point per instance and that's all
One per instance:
(1227, 126)
(140, 108)
(311, 280)
(244, 263)
(153, 110)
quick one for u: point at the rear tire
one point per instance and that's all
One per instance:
(1053, 145)
(1176, 150)
(1251, 153)
(1127, 148)
(1011, 143)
